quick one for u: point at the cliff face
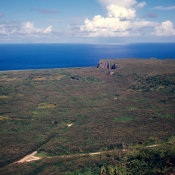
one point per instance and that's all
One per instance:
(107, 65)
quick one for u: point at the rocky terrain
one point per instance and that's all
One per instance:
(108, 65)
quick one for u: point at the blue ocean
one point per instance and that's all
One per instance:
(43, 56)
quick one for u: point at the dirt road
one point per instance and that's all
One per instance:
(29, 158)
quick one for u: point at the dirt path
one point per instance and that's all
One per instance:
(29, 158)
(69, 125)
(83, 154)
(152, 146)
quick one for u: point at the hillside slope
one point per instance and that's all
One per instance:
(135, 104)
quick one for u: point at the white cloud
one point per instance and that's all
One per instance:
(3, 30)
(47, 30)
(164, 8)
(120, 20)
(120, 12)
(101, 26)
(166, 28)
(29, 28)
(27, 31)
(142, 4)
(121, 3)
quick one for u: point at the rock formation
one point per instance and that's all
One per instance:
(107, 65)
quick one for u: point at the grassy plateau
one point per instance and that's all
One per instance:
(73, 111)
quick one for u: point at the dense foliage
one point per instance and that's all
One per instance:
(160, 160)
(141, 160)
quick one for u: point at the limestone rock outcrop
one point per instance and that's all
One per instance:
(108, 65)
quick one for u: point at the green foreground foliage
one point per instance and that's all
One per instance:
(133, 105)
(154, 161)
(141, 160)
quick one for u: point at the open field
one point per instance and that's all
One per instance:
(61, 112)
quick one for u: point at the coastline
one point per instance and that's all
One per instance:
(101, 60)
(51, 56)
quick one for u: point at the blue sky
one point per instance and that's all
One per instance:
(87, 21)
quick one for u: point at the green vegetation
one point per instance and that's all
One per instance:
(160, 160)
(134, 105)
(140, 160)
(124, 118)
(166, 115)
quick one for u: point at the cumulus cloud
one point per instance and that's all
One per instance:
(122, 13)
(2, 30)
(121, 3)
(166, 28)
(120, 20)
(29, 28)
(48, 30)
(14, 29)
(142, 4)
(164, 8)
(100, 26)
(7, 28)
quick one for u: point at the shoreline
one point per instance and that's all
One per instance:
(20, 70)
(78, 67)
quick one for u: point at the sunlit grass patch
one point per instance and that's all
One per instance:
(45, 106)
(40, 114)
(35, 112)
(3, 117)
(40, 79)
(59, 77)
(4, 97)
(160, 87)
(124, 118)
(166, 115)
(49, 78)
(7, 79)
(42, 154)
